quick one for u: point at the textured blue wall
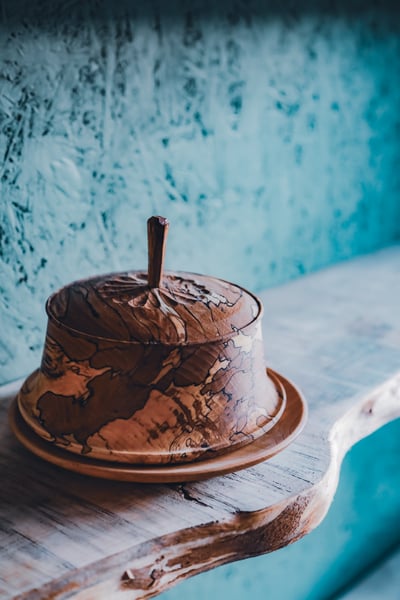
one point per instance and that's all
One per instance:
(267, 133)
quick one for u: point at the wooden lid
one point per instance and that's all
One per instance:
(154, 307)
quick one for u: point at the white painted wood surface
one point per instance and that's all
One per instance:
(337, 335)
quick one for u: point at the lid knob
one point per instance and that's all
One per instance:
(157, 230)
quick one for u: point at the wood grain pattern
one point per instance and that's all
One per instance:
(157, 231)
(337, 334)
(151, 368)
(161, 399)
(289, 425)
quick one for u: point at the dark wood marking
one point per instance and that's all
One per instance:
(189, 308)
(283, 433)
(151, 367)
(151, 403)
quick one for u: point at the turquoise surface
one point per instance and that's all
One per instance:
(268, 133)
(361, 526)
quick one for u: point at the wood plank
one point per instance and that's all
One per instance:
(335, 333)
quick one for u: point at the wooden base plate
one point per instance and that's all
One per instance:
(275, 440)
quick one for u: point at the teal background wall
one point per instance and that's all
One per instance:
(268, 132)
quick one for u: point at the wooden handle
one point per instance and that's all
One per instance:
(157, 230)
